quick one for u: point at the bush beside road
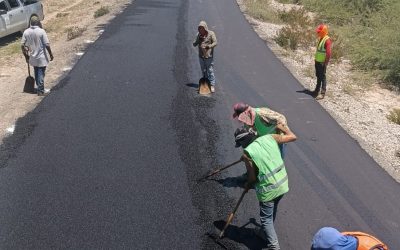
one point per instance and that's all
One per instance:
(355, 98)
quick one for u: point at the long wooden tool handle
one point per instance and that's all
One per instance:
(223, 168)
(230, 217)
(29, 70)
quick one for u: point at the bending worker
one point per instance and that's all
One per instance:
(263, 120)
(265, 170)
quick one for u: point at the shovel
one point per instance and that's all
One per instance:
(230, 217)
(218, 238)
(29, 86)
(204, 86)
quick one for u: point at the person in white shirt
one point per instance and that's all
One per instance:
(34, 44)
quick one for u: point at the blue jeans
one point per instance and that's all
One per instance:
(39, 78)
(207, 69)
(267, 216)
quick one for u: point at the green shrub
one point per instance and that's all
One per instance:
(338, 47)
(394, 116)
(296, 17)
(367, 31)
(101, 12)
(288, 38)
(298, 32)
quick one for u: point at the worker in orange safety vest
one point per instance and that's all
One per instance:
(328, 238)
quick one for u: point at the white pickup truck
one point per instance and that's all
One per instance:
(15, 15)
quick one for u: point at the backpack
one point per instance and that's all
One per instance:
(367, 242)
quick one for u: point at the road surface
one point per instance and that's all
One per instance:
(109, 159)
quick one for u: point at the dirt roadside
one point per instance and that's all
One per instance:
(361, 112)
(63, 18)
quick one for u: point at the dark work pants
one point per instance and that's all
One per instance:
(320, 72)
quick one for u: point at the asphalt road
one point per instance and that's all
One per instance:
(109, 159)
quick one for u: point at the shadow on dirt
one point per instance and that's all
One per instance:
(4, 41)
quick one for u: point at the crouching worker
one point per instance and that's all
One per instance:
(328, 238)
(266, 171)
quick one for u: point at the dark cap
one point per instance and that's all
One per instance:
(244, 136)
(35, 21)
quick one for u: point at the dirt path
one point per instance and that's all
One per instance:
(59, 16)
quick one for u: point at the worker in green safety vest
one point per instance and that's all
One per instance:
(322, 56)
(266, 171)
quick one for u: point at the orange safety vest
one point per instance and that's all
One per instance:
(367, 242)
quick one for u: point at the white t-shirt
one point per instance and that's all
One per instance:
(35, 39)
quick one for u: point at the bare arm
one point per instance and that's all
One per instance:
(251, 171)
(25, 53)
(287, 136)
(50, 53)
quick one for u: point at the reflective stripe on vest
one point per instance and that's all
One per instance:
(268, 188)
(320, 54)
(272, 173)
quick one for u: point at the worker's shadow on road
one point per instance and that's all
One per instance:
(244, 235)
(192, 85)
(231, 182)
(307, 92)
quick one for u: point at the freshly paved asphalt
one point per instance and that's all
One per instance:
(109, 159)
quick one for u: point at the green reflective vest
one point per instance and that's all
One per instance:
(320, 54)
(272, 179)
(261, 127)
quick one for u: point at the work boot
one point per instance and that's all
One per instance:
(42, 93)
(320, 96)
(212, 89)
(314, 93)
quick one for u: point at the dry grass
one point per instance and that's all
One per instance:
(349, 89)
(74, 32)
(101, 12)
(260, 10)
(309, 72)
(362, 79)
(394, 116)
(56, 25)
(62, 14)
